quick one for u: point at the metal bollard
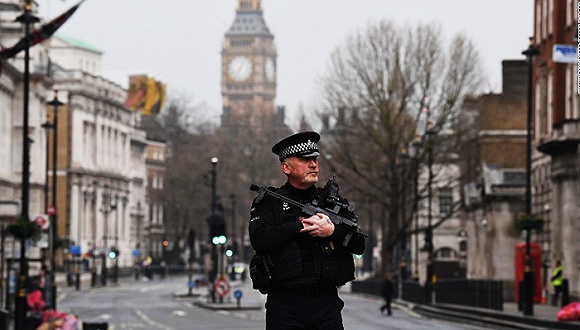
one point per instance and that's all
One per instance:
(565, 293)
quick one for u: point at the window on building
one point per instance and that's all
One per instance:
(569, 12)
(154, 182)
(463, 246)
(544, 18)
(538, 23)
(445, 200)
(550, 14)
(550, 109)
(568, 90)
(445, 254)
(537, 107)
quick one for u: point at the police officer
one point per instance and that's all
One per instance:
(557, 281)
(309, 258)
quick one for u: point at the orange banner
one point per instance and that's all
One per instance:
(145, 94)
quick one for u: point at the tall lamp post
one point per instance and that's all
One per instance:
(404, 156)
(27, 18)
(526, 295)
(53, 234)
(429, 231)
(234, 229)
(214, 162)
(47, 126)
(417, 146)
(109, 205)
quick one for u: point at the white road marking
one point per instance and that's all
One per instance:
(151, 322)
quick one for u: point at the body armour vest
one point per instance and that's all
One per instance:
(308, 260)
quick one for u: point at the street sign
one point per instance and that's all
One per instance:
(75, 250)
(221, 288)
(51, 210)
(42, 221)
(238, 294)
(565, 54)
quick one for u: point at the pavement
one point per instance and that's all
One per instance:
(249, 299)
(544, 316)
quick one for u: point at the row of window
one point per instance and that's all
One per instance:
(241, 42)
(156, 181)
(545, 17)
(110, 151)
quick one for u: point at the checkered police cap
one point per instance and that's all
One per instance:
(300, 144)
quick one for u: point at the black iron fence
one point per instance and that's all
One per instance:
(474, 293)
(414, 292)
(371, 286)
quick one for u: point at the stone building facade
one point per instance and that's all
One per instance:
(494, 176)
(556, 133)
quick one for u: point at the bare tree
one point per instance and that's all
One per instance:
(186, 185)
(381, 89)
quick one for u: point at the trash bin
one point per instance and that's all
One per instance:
(95, 326)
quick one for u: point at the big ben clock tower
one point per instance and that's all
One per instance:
(249, 70)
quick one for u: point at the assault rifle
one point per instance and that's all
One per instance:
(311, 209)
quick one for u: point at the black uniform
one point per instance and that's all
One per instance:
(306, 271)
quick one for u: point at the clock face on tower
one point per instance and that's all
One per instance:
(270, 69)
(240, 68)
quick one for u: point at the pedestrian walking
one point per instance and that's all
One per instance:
(557, 282)
(387, 293)
(303, 259)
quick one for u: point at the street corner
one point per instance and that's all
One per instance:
(186, 295)
(207, 303)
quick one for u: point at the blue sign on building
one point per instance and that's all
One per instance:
(75, 250)
(565, 54)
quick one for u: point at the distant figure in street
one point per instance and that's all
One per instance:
(387, 294)
(557, 282)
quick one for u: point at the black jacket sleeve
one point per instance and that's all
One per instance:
(267, 231)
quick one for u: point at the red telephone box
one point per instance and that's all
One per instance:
(536, 256)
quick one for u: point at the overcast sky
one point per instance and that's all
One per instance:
(179, 41)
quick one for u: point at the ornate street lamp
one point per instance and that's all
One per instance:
(108, 206)
(403, 267)
(526, 295)
(27, 18)
(417, 147)
(430, 133)
(234, 244)
(47, 126)
(212, 227)
(53, 233)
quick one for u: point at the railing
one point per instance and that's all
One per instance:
(414, 292)
(474, 293)
(371, 286)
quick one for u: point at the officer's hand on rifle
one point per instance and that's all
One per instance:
(318, 225)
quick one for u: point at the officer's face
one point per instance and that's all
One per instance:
(302, 172)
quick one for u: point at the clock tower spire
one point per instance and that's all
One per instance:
(249, 5)
(249, 70)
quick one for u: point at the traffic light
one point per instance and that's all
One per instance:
(165, 243)
(113, 253)
(218, 231)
